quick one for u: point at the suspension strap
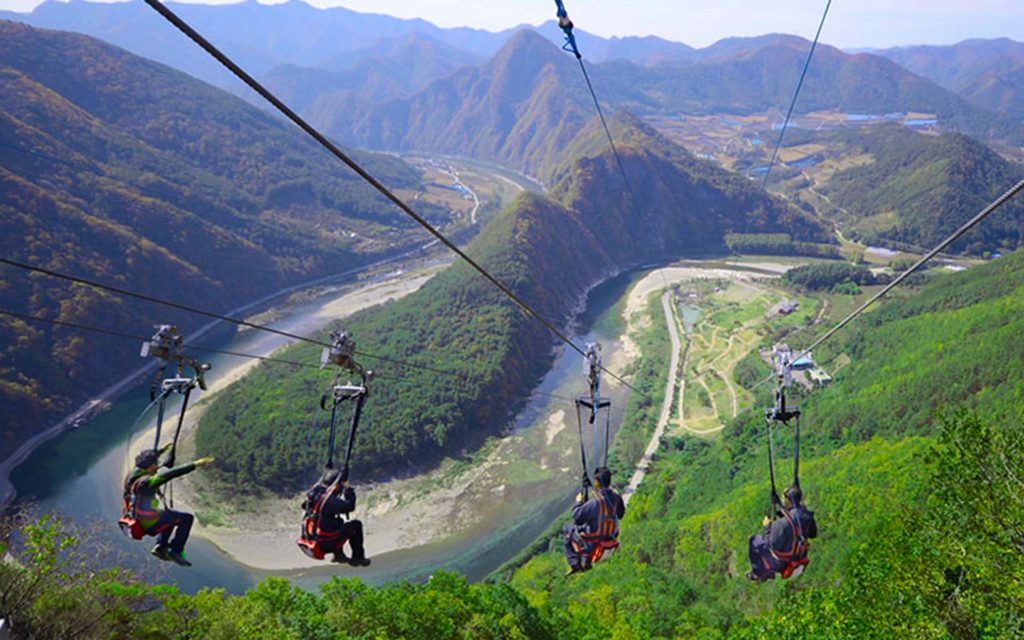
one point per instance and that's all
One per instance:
(586, 482)
(177, 432)
(334, 417)
(796, 452)
(607, 433)
(353, 426)
(774, 495)
(164, 393)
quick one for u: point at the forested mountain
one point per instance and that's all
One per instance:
(522, 106)
(390, 69)
(263, 37)
(527, 102)
(549, 251)
(989, 73)
(120, 169)
(919, 189)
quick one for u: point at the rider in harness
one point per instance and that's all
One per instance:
(595, 524)
(783, 546)
(143, 515)
(327, 504)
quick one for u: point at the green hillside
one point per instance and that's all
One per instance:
(919, 189)
(550, 252)
(122, 170)
(877, 468)
(920, 534)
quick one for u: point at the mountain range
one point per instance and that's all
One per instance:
(349, 58)
(122, 170)
(989, 73)
(523, 105)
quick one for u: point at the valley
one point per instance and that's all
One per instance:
(670, 248)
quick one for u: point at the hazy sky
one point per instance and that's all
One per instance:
(851, 23)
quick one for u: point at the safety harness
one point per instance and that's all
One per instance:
(593, 544)
(789, 562)
(312, 537)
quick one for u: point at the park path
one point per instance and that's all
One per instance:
(666, 406)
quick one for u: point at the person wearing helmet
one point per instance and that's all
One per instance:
(782, 548)
(143, 485)
(594, 522)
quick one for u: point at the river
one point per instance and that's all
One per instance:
(78, 473)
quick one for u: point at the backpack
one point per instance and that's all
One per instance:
(129, 521)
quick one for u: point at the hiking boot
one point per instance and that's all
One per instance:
(161, 552)
(179, 558)
(359, 562)
(574, 568)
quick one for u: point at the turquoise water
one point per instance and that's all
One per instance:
(78, 475)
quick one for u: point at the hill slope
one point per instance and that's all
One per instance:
(876, 471)
(989, 73)
(919, 189)
(550, 252)
(119, 169)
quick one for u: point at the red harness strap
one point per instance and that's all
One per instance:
(797, 554)
(604, 539)
(313, 534)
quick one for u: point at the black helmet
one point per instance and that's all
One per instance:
(147, 458)
(603, 477)
(328, 477)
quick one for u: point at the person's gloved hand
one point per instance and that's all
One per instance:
(349, 493)
(766, 521)
(579, 497)
(203, 462)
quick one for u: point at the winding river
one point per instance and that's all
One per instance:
(78, 473)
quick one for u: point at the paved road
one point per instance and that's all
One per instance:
(666, 405)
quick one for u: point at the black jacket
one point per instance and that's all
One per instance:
(586, 515)
(781, 535)
(335, 508)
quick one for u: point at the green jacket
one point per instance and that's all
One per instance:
(147, 491)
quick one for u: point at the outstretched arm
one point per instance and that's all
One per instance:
(176, 472)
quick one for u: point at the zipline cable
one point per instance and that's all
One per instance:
(119, 334)
(792, 104)
(192, 309)
(207, 46)
(566, 25)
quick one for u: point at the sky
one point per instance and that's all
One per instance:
(851, 23)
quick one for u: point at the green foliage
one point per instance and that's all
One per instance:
(50, 588)
(819, 277)
(777, 244)
(121, 170)
(926, 187)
